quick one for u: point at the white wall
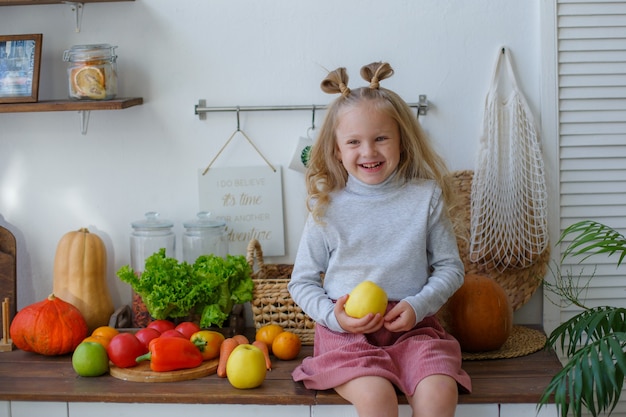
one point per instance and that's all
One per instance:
(237, 52)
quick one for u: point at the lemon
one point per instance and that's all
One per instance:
(365, 298)
(90, 359)
(89, 82)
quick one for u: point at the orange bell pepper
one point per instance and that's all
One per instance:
(208, 343)
(172, 353)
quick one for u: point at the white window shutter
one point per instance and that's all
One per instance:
(591, 58)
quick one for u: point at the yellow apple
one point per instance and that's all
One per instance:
(245, 367)
(365, 298)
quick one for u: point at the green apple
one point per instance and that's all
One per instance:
(245, 367)
(365, 298)
(90, 359)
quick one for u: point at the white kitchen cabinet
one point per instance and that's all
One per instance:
(83, 409)
(36, 408)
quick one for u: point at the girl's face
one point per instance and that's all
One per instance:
(368, 143)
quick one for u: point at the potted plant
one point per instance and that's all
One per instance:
(593, 341)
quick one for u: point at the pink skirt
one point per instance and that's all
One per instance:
(402, 358)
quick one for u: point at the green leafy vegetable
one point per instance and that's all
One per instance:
(210, 287)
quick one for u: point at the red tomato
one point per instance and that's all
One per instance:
(146, 334)
(188, 328)
(173, 333)
(124, 348)
(161, 325)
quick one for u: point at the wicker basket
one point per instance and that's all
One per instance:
(271, 303)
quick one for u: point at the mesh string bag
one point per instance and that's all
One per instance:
(509, 198)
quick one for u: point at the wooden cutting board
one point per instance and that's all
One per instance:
(8, 269)
(143, 373)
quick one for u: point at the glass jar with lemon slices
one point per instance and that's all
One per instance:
(92, 71)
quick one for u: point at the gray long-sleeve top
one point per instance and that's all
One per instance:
(397, 235)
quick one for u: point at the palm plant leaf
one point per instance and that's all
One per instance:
(593, 378)
(586, 327)
(595, 340)
(593, 238)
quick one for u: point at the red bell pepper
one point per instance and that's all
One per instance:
(172, 353)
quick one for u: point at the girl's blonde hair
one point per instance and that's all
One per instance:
(418, 159)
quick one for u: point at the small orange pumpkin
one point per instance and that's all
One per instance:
(479, 315)
(49, 327)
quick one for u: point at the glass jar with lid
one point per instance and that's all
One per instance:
(149, 235)
(92, 71)
(204, 236)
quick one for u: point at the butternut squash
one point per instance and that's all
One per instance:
(79, 276)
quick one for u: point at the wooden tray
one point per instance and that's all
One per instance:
(143, 373)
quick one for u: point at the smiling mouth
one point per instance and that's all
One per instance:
(372, 165)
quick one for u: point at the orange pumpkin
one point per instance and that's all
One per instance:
(49, 327)
(479, 315)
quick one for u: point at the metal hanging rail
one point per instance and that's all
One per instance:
(201, 109)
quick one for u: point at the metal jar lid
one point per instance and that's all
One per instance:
(81, 53)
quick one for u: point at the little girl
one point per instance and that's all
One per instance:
(379, 204)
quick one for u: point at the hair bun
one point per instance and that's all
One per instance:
(375, 72)
(336, 82)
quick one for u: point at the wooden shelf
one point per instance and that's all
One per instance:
(69, 105)
(27, 376)
(35, 2)
(84, 107)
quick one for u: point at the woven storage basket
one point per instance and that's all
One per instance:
(518, 283)
(271, 302)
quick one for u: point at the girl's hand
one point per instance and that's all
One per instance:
(367, 324)
(400, 318)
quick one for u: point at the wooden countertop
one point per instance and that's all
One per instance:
(27, 376)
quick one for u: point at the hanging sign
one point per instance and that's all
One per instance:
(250, 201)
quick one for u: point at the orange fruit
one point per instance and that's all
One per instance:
(286, 346)
(88, 82)
(106, 332)
(267, 334)
(98, 339)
